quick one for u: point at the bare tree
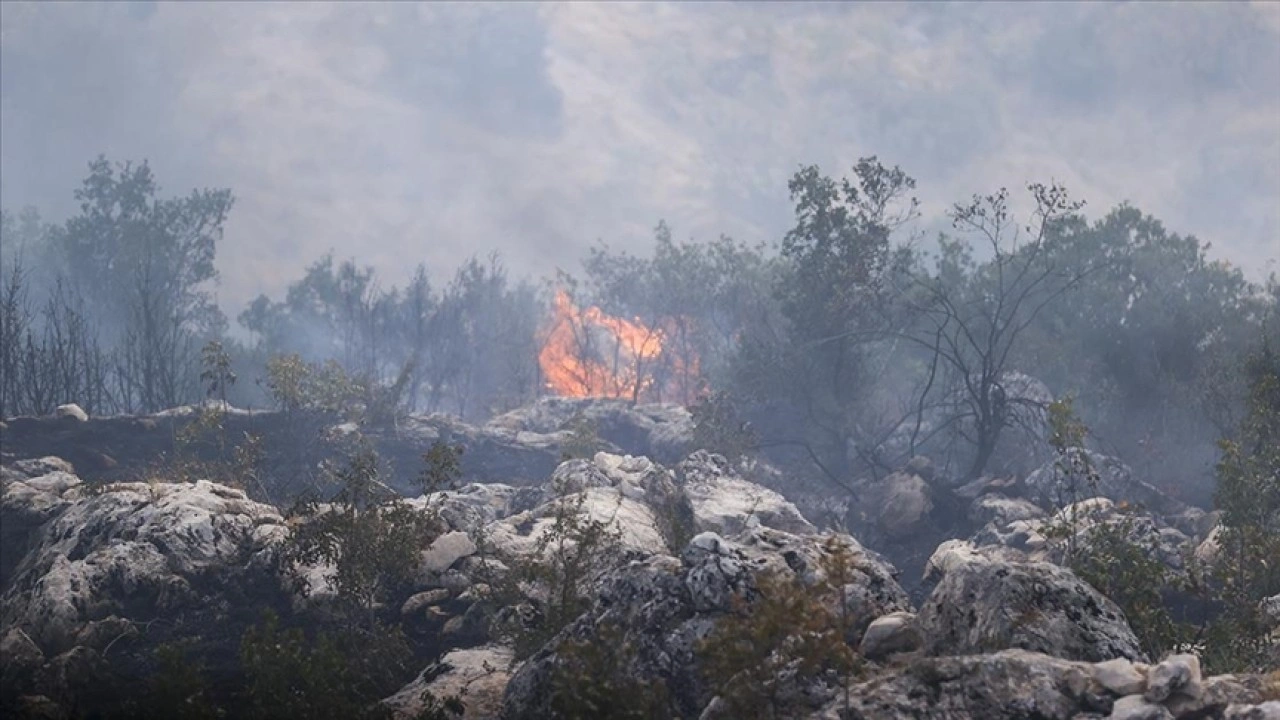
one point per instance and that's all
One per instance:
(969, 318)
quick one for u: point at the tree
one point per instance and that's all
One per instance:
(1157, 333)
(1248, 495)
(812, 375)
(144, 264)
(970, 319)
(699, 299)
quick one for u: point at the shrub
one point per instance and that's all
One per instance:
(536, 596)
(370, 536)
(593, 680)
(788, 636)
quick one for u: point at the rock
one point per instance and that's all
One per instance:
(1134, 707)
(1269, 710)
(135, 549)
(35, 467)
(575, 476)
(446, 550)
(40, 707)
(996, 508)
(889, 634)
(900, 503)
(71, 411)
(1059, 482)
(1176, 674)
(984, 606)
(920, 466)
(663, 432)
(420, 601)
(477, 675)
(1121, 676)
(474, 505)
(953, 554)
(634, 521)
(1269, 608)
(726, 504)
(1006, 685)
(20, 659)
(663, 607)
(1216, 694)
(1085, 522)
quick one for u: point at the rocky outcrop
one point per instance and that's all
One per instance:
(1018, 684)
(663, 607)
(1084, 474)
(663, 432)
(132, 551)
(725, 503)
(476, 676)
(1081, 525)
(520, 448)
(985, 605)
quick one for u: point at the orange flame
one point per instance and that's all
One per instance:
(588, 353)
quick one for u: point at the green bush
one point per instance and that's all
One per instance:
(789, 635)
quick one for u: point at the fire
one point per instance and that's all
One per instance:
(588, 353)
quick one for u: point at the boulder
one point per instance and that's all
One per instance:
(1084, 474)
(1006, 685)
(478, 676)
(725, 503)
(446, 550)
(135, 550)
(983, 606)
(1121, 676)
(1136, 707)
(1002, 510)
(1176, 674)
(889, 634)
(71, 412)
(899, 503)
(663, 607)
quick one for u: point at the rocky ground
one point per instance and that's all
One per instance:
(949, 598)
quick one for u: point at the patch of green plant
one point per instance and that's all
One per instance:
(367, 533)
(788, 635)
(330, 676)
(594, 680)
(536, 596)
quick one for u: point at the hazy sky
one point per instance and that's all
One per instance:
(406, 133)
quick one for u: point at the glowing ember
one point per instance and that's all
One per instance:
(588, 353)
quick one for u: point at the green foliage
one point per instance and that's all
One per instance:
(1106, 554)
(1066, 431)
(593, 680)
(179, 688)
(555, 580)
(703, 296)
(367, 533)
(1130, 573)
(1248, 494)
(328, 677)
(790, 635)
(145, 264)
(296, 385)
(443, 466)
